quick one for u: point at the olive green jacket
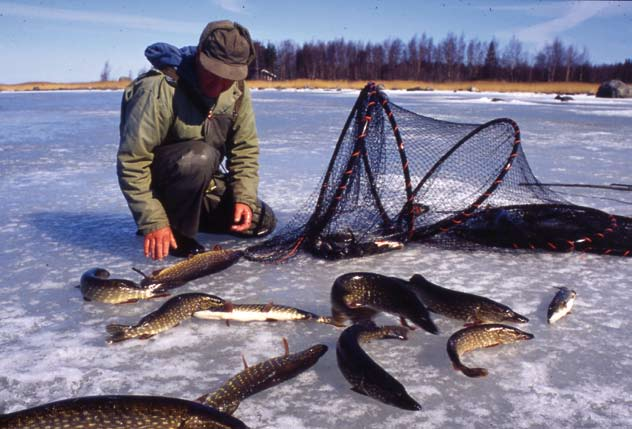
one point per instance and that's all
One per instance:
(155, 111)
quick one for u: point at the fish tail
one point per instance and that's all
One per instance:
(118, 333)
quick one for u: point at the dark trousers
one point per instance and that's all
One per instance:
(181, 174)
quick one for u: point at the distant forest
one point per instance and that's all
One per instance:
(423, 59)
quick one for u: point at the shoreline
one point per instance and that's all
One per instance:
(571, 88)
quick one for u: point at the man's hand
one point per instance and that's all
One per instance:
(158, 242)
(242, 218)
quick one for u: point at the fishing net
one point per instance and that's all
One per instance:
(397, 176)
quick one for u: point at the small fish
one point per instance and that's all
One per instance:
(192, 268)
(254, 379)
(120, 412)
(364, 374)
(462, 306)
(561, 304)
(260, 312)
(170, 314)
(480, 336)
(96, 285)
(360, 296)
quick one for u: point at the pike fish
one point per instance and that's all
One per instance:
(561, 304)
(360, 296)
(170, 314)
(120, 412)
(260, 312)
(262, 376)
(364, 374)
(468, 307)
(192, 268)
(96, 285)
(480, 336)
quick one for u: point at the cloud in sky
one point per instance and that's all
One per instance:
(99, 17)
(570, 15)
(235, 6)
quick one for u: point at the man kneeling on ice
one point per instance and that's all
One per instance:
(178, 122)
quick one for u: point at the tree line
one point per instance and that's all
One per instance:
(423, 59)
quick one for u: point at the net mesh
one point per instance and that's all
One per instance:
(397, 176)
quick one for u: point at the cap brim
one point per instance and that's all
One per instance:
(221, 69)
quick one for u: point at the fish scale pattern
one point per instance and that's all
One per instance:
(396, 176)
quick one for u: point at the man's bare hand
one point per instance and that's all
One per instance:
(158, 242)
(242, 218)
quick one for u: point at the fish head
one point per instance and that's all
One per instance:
(403, 400)
(208, 302)
(497, 313)
(508, 315)
(514, 334)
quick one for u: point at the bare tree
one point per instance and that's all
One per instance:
(512, 57)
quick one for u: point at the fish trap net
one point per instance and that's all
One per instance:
(396, 176)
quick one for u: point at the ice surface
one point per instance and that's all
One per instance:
(62, 213)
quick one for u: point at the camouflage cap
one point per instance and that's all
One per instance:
(226, 49)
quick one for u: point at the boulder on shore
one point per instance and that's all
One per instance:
(614, 89)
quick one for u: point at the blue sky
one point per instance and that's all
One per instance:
(68, 40)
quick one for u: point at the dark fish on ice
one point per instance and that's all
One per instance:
(561, 304)
(254, 379)
(365, 375)
(96, 285)
(260, 312)
(481, 336)
(192, 268)
(170, 314)
(462, 306)
(120, 412)
(360, 296)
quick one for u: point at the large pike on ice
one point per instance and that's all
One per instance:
(254, 379)
(462, 306)
(170, 314)
(96, 285)
(360, 296)
(192, 268)
(260, 312)
(481, 336)
(120, 412)
(365, 375)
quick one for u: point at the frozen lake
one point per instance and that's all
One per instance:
(61, 213)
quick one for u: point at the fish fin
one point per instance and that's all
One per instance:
(405, 324)
(243, 359)
(227, 322)
(145, 336)
(267, 307)
(156, 272)
(129, 301)
(359, 390)
(140, 272)
(286, 346)
(228, 307)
